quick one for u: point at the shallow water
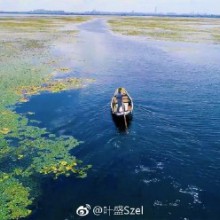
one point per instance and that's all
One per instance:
(169, 160)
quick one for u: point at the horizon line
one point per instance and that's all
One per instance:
(41, 11)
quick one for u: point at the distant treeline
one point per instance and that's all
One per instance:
(45, 12)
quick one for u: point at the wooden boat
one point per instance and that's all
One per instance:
(121, 103)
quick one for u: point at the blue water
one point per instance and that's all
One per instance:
(169, 160)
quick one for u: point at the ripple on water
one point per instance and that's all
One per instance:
(157, 166)
(171, 204)
(148, 181)
(193, 191)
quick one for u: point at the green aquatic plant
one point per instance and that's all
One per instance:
(27, 152)
(63, 70)
(5, 130)
(8, 122)
(166, 28)
(36, 24)
(14, 198)
(5, 149)
(50, 86)
(216, 36)
(56, 85)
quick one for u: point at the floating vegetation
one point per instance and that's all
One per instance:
(14, 198)
(64, 168)
(63, 70)
(172, 29)
(51, 86)
(5, 130)
(28, 152)
(43, 24)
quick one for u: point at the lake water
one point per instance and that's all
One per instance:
(169, 160)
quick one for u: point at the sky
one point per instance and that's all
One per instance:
(177, 6)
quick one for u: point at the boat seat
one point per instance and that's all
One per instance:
(127, 107)
(125, 99)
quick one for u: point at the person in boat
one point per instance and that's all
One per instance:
(119, 100)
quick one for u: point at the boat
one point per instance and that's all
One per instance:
(121, 103)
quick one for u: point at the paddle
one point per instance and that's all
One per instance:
(126, 125)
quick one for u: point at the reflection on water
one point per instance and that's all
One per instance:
(169, 160)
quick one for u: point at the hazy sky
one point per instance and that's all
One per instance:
(179, 6)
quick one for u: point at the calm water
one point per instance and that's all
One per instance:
(169, 161)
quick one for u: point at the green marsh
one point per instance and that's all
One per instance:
(172, 29)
